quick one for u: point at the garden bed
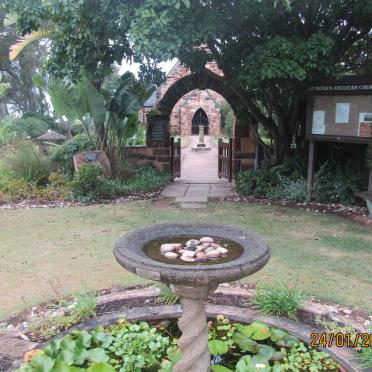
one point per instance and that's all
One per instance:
(355, 213)
(142, 303)
(40, 203)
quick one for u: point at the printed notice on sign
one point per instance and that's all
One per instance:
(342, 112)
(318, 126)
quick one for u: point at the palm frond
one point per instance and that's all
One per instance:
(24, 41)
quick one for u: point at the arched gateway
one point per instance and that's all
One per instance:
(237, 155)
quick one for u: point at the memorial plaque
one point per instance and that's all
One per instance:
(96, 157)
(158, 131)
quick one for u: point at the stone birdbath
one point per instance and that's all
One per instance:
(138, 250)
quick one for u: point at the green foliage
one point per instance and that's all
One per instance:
(146, 178)
(278, 299)
(82, 308)
(268, 56)
(89, 184)
(337, 182)
(334, 327)
(30, 127)
(217, 347)
(63, 154)
(27, 163)
(3, 88)
(365, 358)
(227, 119)
(289, 189)
(8, 134)
(113, 110)
(304, 359)
(257, 183)
(139, 346)
(166, 295)
(134, 347)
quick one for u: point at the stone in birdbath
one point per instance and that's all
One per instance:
(192, 280)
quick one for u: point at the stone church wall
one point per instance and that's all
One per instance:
(183, 112)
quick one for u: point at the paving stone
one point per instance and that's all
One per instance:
(192, 199)
(199, 167)
(192, 205)
(171, 191)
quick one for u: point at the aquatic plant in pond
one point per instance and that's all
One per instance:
(128, 347)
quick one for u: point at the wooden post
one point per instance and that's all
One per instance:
(172, 158)
(219, 158)
(230, 159)
(257, 153)
(310, 169)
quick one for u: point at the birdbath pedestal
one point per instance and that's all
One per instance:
(192, 282)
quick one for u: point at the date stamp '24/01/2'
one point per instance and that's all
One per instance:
(341, 339)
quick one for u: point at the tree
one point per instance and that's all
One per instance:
(22, 95)
(227, 119)
(113, 111)
(87, 34)
(270, 53)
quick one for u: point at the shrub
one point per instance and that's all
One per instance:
(63, 154)
(27, 163)
(294, 190)
(89, 184)
(257, 183)
(294, 167)
(15, 189)
(30, 127)
(146, 178)
(336, 183)
(8, 134)
(278, 299)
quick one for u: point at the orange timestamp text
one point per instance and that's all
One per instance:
(341, 339)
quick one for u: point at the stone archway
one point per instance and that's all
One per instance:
(210, 78)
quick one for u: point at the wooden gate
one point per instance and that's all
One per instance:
(225, 159)
(175, 160)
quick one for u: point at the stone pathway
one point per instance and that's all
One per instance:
(200, 166)
(199, 180)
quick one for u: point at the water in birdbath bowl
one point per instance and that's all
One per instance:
(152, 249)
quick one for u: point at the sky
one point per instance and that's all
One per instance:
(134, 67)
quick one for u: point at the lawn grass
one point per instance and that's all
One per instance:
(47, 253)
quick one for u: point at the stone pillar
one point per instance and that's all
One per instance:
(201, 134)
(193, 343)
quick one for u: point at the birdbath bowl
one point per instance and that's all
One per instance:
(192, 282)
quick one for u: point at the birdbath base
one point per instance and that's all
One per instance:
(193, 324)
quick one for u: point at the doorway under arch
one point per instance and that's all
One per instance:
(200, 119)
